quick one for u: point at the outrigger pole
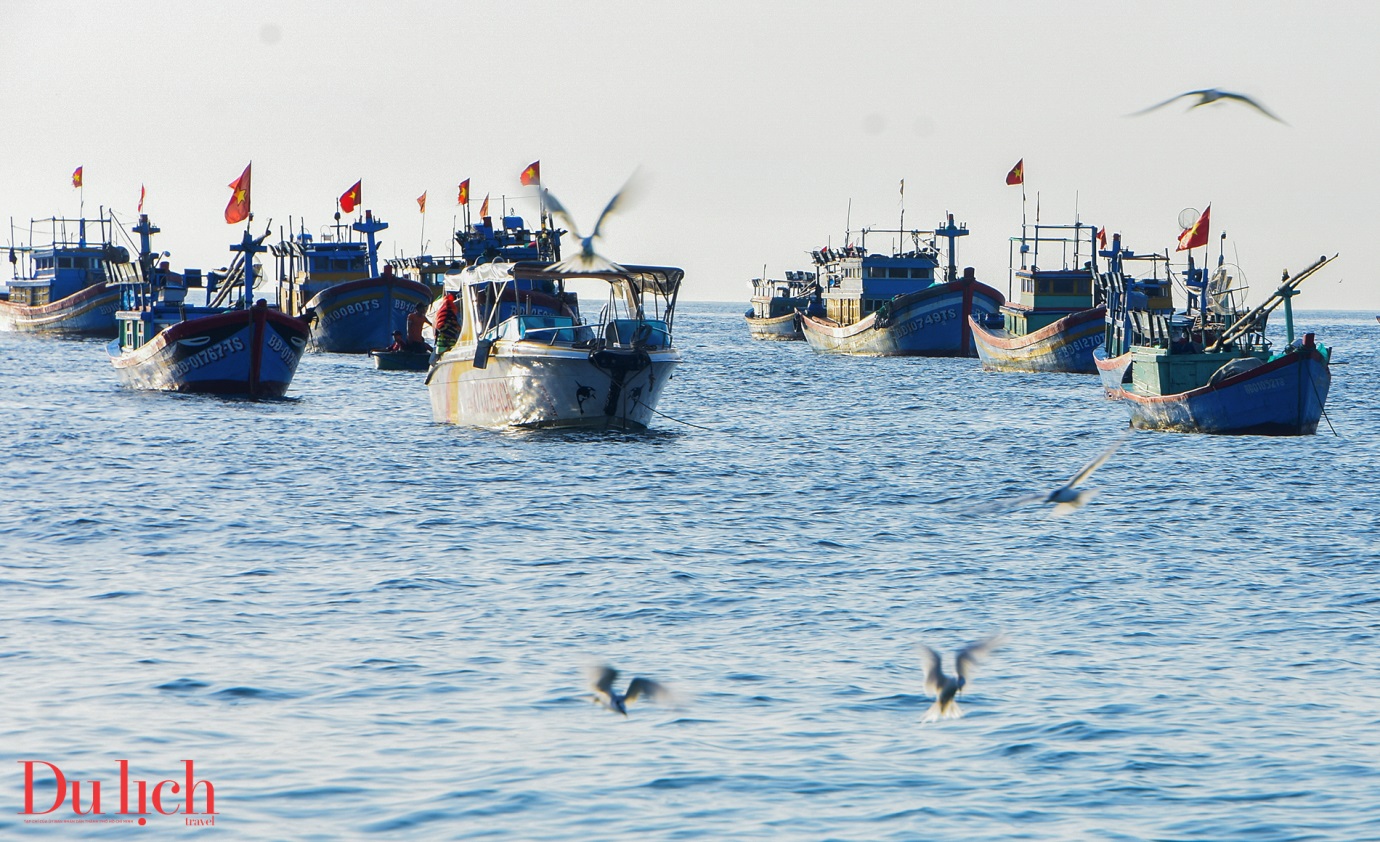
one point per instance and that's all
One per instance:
(1288, 288)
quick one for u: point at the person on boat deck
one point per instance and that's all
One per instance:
(416, 321)
(399, 342)
(1183, 344)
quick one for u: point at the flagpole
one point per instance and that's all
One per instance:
(903, 213)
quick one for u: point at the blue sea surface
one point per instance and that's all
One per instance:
(362, 624)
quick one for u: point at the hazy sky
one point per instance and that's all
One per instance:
(753, 123)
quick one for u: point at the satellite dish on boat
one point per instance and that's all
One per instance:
(1187, 217)
(1227, 289)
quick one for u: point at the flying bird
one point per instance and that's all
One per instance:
(1066, 498)
(601, 680)
(588, 260)
(946, 687)
(1209, 96)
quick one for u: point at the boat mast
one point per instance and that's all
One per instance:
(951, 232)
(369, 227)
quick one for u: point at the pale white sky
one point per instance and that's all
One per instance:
(754, 123)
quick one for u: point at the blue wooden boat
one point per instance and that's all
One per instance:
(60, 288)
(777, 305)
(891, 305)
(1211, 370)
(335, 282)
(169, 344)
(1056, 320)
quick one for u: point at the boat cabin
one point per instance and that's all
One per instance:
(1051, 274)
(1137, 290)
(307, 265)
(62, 267)
(152, 296)
(774, 297)
(483, 242)
(855, 282)
(532, 301)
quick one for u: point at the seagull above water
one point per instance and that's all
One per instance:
(1066, 498)
(1209, 96)
(601, 680)
(946, 687)
(588, 260)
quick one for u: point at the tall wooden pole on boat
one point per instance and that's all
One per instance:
(248, 247)
(368, 228)
(903, 212)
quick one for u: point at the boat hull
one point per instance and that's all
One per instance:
(526, 384)
(1066, 345)
(1284, 397)
(243, 352)
(358, 316)
(779, 328)
(89, 312)
(932, 322)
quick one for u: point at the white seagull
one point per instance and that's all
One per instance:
(601, 680)
(1209, 96)
(588, 260)
(1066, 498)
(946, 687)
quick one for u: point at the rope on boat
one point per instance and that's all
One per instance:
(1314, 387)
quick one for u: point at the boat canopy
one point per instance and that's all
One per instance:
(659, 280)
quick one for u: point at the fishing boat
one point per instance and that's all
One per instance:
(166, 343)
(891, 305)
(1211, 369)
(777, 305)
(335, 282)
(1056, 320)
(60, 288)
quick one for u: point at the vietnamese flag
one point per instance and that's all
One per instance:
(1102, 236)
(484, 208)
(1197, 235)
(141, 199)
(531, 175)
(1017, 174)
(421, 202)
(238, 209)
(352, 197)
(76, 177)
(464, 192)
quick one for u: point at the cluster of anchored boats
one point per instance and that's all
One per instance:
(1077, 304)
(513, 346)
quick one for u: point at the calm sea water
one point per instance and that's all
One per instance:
(358, 623)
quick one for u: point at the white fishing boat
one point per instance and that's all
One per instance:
(526, 357)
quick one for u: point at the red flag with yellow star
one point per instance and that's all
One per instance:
(464, 192)
(1197, 235)
(1017, 174)
(484, 208)
(531, 175)
(351, 198)
(238, 209)
(421, 202)
(76, 177)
